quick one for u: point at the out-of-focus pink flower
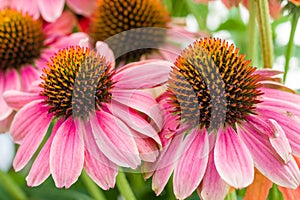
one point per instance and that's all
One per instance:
(25, 44)
(50, 10)
(225, 119)
(96, 112)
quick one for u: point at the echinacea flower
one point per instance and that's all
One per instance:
(231, 118)
(96, 112)
(50, 10)
(134, 28)
(25, 42)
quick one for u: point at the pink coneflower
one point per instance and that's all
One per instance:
(50, 10)
(230, 119)
(96, 113)
(25, 43)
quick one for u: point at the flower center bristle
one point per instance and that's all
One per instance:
(113, 17)
(208, 75)
(76, 82)
(21, 39)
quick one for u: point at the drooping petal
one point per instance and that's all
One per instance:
(277, 94)
(66, 155)
(280, 142)
(143, 74)
(104, 50)
(232, 159)
(31, 118)
(29, 75)
(103, 172)
(51, 10)
(192, 164)
(29, 128)
(212, 187)
(5, 123)
(259, 189)
(266, 159)
(40, 169)
(115, 140)
(71, 40)
(134, 120)
(17, 99)
(141, 101)
(63, 25)
(82, 7)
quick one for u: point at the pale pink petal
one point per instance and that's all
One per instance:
(190, 168)
(32, 119)
(165, 163)
(141, 101)
(267, 72)
(27, 6)
(278, 104)
(115, 140)
(232, 159)
(51, 10)
(40, 169)
(17, 99)
(9, 81)
(29, 74)
(82, 7)
(71, 40)
(4, 4)
(277, 94)
(280, 143)
(212, 187)
(63, 25)
(143, 74)
(103, 172)
(181, 35)
(266, 159)
(134, 120)
(30, 125)
(5, 123)
(66, 155)
(104, 50)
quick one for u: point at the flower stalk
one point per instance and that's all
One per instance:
(290, 46)
(252, 34)
(265, 32)
(124, 187)
(93, 189)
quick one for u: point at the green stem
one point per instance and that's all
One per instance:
(124, 187)
(93, 189)
(290, 46)
(265, 31)
(170, 190)
(11, 187)
(252, 34)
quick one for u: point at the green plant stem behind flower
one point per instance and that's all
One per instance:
(11, 187)
(93, 189)
(252, 35)
(290, 46)
(265, 32)
(124, 187)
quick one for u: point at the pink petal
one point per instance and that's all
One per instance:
(278, 104)
(8, 81)
(51, 10)
(290, 126)
(212, 187)
(66, 155)
(104, 50)
(33, 119)
(232, 159)
(191, 166)
(134, 120)
(4, 4)
(27, 6)
(115, 140)
(71, 40)
(278, 94)
(141, 101)
(82, 7)
(280, 143)
(165, 163)
(28, 76)
(29, 127)
(63, 25)
(17, 99)
(40, 169)
(143, 74)
(103, 172)
(266, 159)
(5, 123)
